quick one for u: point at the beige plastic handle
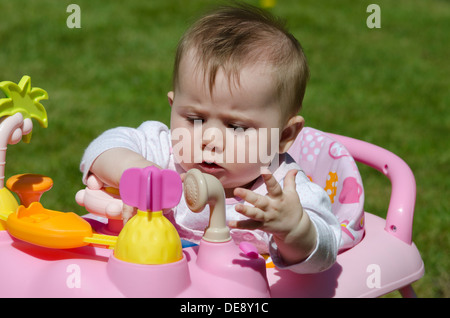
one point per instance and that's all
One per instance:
(201, 189)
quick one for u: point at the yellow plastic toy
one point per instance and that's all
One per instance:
(267, 3)
(8, 204)
(149, 237)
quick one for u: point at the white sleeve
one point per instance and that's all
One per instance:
(151, 139)
(316, 203)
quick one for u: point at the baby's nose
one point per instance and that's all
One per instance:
(213, 140)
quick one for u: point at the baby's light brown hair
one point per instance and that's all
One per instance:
(235, 36)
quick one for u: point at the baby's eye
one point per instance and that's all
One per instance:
(238, 128)
(193, 119)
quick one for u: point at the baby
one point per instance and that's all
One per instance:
(238, 83)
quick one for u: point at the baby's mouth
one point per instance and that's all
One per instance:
(210, 167)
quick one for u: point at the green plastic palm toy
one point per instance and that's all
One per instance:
(24, 99)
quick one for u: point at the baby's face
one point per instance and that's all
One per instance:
(231, 133)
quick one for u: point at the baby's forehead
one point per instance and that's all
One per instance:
(248, 88)
(235, 72)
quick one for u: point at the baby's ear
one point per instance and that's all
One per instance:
(290, 132)
(170, 98)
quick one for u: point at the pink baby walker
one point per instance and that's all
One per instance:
(45, 253)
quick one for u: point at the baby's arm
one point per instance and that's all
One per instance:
(280, 213)
(118, 149)
(110, 165)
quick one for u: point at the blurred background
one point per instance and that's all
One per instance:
(388, 86)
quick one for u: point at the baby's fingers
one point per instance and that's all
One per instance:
(245, 224)
(289, 180)
(259, 201)
(273, 187)
(250, 211)
(127, 213)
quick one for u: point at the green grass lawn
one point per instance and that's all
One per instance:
(388, 86)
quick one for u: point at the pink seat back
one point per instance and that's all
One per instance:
(328, 163)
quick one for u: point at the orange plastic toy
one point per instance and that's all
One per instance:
(53, 229)
(48, 228)
(29, 187)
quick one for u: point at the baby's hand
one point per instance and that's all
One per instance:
(94, 183)
(280, 213)
(128, 212)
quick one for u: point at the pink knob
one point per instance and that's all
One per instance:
(249, 249)
(150, 189)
